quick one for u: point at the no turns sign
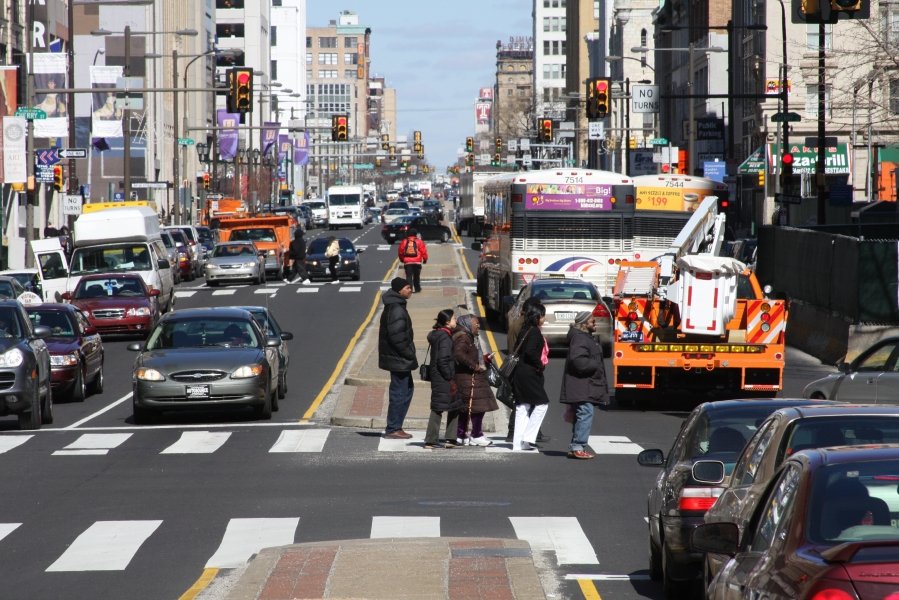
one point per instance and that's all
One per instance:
(645, 98)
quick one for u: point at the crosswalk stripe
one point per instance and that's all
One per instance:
(271, 291)
(93, 444)
(245, 537)
(198, 442)
(7, 528)
(105, 546)
(562, 535)
(414, 444)
(350, 289)
(613, 444)
(230, 292)
(306, 290)
(184, 293)
(306, 440)
(8, 443)
(383, 247)
(404, 527)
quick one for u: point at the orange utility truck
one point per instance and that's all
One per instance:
(271, 234)
(222, 208)
(695, 321)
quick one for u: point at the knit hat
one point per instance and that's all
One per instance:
(398, 283)
(412, 232)
(582, 317)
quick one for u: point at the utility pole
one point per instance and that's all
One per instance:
(819, 165)
(126, 113)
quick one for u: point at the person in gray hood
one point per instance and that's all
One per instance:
(396, 353)
(583, 382)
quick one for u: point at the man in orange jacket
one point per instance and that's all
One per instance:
(413, 254)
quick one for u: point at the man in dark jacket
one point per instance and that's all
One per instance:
(396, 353)
(584, 382)
(298, 256)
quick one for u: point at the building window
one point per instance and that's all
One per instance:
(546, 72)
(349, 73)
(327, 58)
(545, 23)
(545, 3)
(273, 73)
(894, 96)
(890, 23)
(811, 37)
(327, 74)
(546, 48)
(811, 100)
(555, 71)
(273, 35)
(351, 58)
(223, 30)
(276, 2)
(563, 48)
(564, 25)
(226, 4)
(327, 42)
(350, 42)
(308, 42)
(308, 58)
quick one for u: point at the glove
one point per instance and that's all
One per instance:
(426, 261)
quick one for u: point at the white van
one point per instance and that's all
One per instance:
(123, 239)
(345, 206)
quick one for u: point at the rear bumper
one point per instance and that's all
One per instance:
(656, 370)
(684, 564)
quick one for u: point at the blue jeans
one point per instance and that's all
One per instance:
(400, 397)
(580, 429)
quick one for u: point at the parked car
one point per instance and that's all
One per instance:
(207, 238)
(192, 239)
(678, 500)
(184, 265)
(871, 377)
(76, 350)
(172, 254)
(784, 433)
(317, 262)
(428, 229)
(272, 329)
(433, 208)
(304, 216)
(29, 279)
(822, 528)
(10, 288)
(563, 298)
(235, 261)
(24, 368)
(117, 304)
(392, 214)
(205, 358)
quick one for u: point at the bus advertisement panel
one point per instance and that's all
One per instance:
(568, 197)
(674, 193)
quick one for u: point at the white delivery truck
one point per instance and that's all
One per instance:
(470, 212)
(346, 205)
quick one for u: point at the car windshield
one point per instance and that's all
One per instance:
(9, 323)
(233, 250)
(56, 320)
(188, 233)
(316, 205)
(107, 287)
(167, 241)
(856, 501)
(261, 234)
(23, 278)
(564, 291)
(7, 291)
(203, 332)
(720, 434)
(97, 259)
(344, 199)
(205, 234)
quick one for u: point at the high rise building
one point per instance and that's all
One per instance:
(550, 47)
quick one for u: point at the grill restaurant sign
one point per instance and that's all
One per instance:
(805, 158)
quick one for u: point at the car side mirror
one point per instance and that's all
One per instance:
(135, 346)
(154, 292)
(261, 253)
(67, 296)
(286, 336)
(708, 471)
(716, 538)
(360, 250)
(272, 342)
(42, 331)
(651, 458)
(162, 263)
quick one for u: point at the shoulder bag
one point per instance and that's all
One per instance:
(424, 370)
(512, 360)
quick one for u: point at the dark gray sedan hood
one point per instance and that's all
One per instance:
(188, 359)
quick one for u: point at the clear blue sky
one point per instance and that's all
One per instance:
(437, 55)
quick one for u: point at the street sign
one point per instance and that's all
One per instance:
(185, 141)
(153, 185)
(46, 156)
(785, 199)
(789, 117)
(829, 141)
(659, 141)
(71, 204)
(645, 99)
(32, 114)
(595, 130)
(72, 153)
(44, 173)
(526, 160)
(119, 196)
(214, 196)
(363, 166)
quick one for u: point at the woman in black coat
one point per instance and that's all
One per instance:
(442, 371)
(530, 397)
(584, 382)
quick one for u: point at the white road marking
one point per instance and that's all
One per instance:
(198, 442)
(350, 289)
(613, 444)
(413, 444)
(93, 444)
(184, 294)
(229, 292)
(271, 291)
(500, 445)
(106, 408)
(245, 537)
(105, 546)
(306, 440)
(562, 535)
(606, 577)
(7, 528)
(405, 527)
(7, 443)
(383, 247)
(307, 290)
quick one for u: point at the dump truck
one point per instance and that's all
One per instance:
(271, 234)
(223, 208)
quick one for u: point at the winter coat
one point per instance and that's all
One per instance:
(465, 354)
(298, 249)
(527, 380)
(396, 345)
(421, 257)
(584, 379)
(442, 370)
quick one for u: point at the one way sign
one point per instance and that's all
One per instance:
(73, 153)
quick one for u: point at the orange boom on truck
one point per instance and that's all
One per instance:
(695, 321)
(270, 234)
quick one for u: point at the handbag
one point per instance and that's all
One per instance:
(424, 370)
(513, 359)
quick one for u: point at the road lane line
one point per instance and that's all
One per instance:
(304, 440)
(607, 577)
(184, 293)
(414, 444)
(106, 408)
(230, 292)
(562, 535)
(198, 442)
(588, 589)
(7, 528)
(404, 527)
(8, 443)
(200, 584)
(349, 289)
(105, 546)
(310, 412)
(306, 290)
(245, 537)
(93, 444)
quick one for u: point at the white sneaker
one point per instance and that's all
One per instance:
(462, 441)
(527, 447)
(480, 441)
(305, 281)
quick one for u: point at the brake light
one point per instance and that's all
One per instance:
(698, 499)
(601, 311)
(829, 589)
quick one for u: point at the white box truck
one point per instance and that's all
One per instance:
(346, 205)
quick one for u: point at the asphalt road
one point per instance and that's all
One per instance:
(94, 507)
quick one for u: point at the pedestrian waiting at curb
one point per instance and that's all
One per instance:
(441, 372)
(298, 257)
(413, 254)
(471, 380)
(332, 253)
(396, 353)
(527, 380)
(583, 382)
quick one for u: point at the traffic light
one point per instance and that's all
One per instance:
(58, 183)
(723, 204)
(385, 141)
(498, 144)
(469, 144)
(846, 6)
(469, 160)
(496, 159)
(416, 136)
(761, 180)
(240, 90)
(339, 128)
(632, 142)
(808, 7)
(206, 181)
(786, 169)
(598, 99)
(546, 130)
(421, 151)
(393, 153)
(378, 162)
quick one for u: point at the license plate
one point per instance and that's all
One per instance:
(391, 235)
(565, 316)
(631, 336)
(196, 391)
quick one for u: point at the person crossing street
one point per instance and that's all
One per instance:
(298, 257)
(413, 254)
(583, 383)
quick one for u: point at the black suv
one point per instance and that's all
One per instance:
(23, 352)
(433, 208)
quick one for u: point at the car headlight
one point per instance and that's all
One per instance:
(64, 360)
(347, 262)
(11, 358)
(148, 374)
(248, 265)
(211, 266)
(142, 311)
(247, 371)
(271, 252)
(314, 263)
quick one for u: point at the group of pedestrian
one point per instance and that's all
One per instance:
(457, 373)
(297, 257)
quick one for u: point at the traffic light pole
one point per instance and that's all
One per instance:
(820, 166)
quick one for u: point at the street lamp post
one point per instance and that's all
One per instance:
(627, 99)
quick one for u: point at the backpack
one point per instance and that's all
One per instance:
(411, 249)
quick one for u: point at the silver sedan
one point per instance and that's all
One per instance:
(873, 377)
(235, 261)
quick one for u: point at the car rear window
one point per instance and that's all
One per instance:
(550, 291)
(56, 320)
(842, 430)
(722, 434)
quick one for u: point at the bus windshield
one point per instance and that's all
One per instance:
(344, 199)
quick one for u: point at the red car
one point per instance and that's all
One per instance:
(118, 304)
(76, 351)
